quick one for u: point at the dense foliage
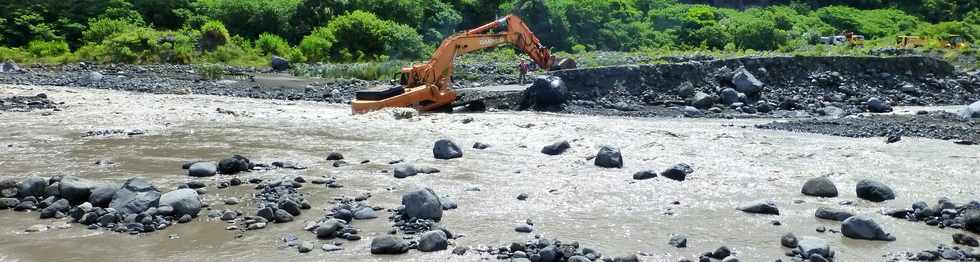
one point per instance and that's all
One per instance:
(248, 31)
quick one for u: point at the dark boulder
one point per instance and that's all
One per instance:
(404, 170)
(446, 149)
(334, 156)
(434, 240)
(279, 64)
(388, 245)
(645, 174)
(76, 190)
(789, 240)
(328, 228)
(863, 227)
(480, 146)
(971, 220)
(556, 148)
(830, 213)
(61, 205)
(874, 191)
(745, 82)
(422, 204)
(32, 186)
(234, 165)
(609, 157)
(202, 169)
(875, 105)
(6, 203)
(811, 246)
(678, 172)
(728, 96)
(545, 91)
(136, 195)
(819, 187)
(702, 100)
(760, 207)
(678, 241)
(966, 240)
(183, 201)
(102, 194)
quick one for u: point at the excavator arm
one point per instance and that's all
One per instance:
(427, 86)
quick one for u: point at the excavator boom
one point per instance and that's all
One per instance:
(427, 86)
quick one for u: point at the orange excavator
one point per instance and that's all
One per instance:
(427, 87)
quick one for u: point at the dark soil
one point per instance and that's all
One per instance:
(937, 125)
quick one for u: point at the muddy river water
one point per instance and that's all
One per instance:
(569, 197)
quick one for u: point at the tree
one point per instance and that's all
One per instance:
(546, 19)
(362, 36)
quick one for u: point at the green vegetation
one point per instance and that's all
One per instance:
(385, 32)
(210, 71)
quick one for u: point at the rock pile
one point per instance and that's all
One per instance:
(280, 201)
(943, 214)
(136, 206)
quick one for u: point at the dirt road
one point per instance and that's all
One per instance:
(569, 197)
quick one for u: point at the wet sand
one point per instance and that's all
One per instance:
(570, 198)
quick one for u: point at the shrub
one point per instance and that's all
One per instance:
(213, 34)
(42, 48)
(210, 71)
(16, 54)
(102, 28)
(316, 46)
(271, 44)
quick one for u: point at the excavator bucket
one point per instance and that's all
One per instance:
(422, 98)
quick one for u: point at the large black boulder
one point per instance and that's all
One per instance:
(136, 195)
(874, 191)
(388, 245)
(819, 187)
(102, 194)
(434, 240)
(678, 172)
(971, 220)
(556, 148)
(446, 149)
(279, 63)
(863, 227)
(609, 157)
(202, 169)
(545, 91)
(76, 190)
(745, 82)
(32, 186)
(234, 164)
(422, 203)
(183, 201)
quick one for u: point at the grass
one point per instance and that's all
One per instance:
(363, 71)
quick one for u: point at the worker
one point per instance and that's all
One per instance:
(524, 68)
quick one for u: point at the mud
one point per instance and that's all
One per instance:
(568, 197)
(936, 125)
